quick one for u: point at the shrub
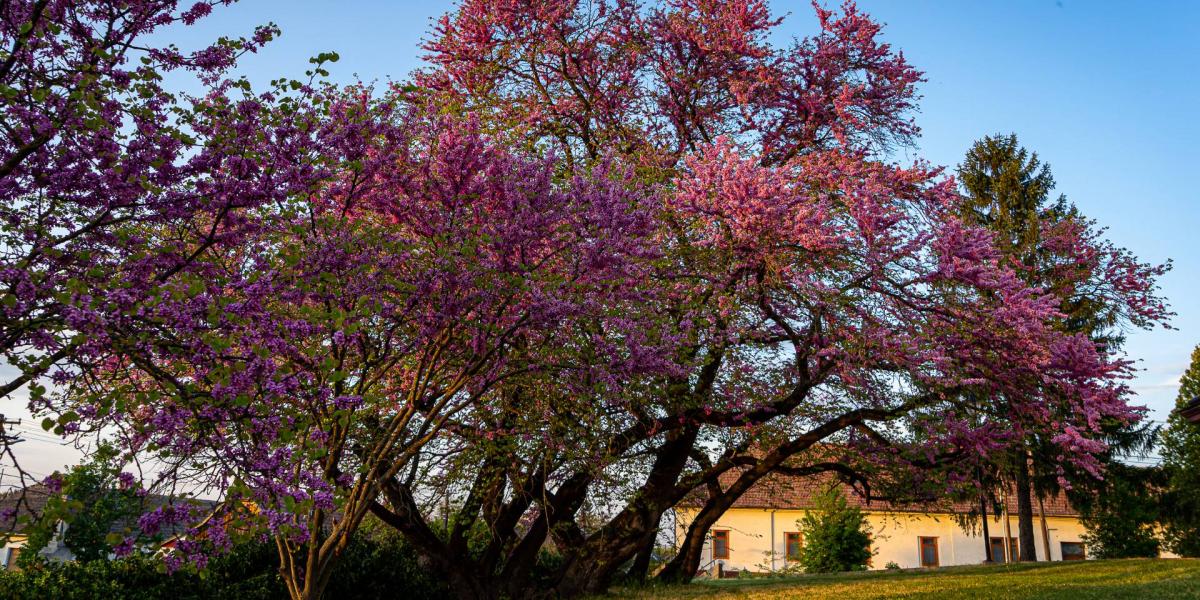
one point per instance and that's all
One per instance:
(377, 564)
(132, 578)
(836, 537)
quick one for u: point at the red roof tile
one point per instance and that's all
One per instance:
(797, 493)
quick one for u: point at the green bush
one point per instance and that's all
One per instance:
(836, 537)
(377, 564)
(133, 578)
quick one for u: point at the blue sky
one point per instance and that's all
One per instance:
(1105, 92)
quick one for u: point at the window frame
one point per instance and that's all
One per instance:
(724, 533)
(1013, 549)
(787, 545)
(937, 555)
(1082, 550)
(992, 543)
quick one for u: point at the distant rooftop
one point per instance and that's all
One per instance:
(30, 502)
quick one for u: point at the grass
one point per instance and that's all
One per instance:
(1144, 579)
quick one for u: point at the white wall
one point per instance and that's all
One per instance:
(894, 537)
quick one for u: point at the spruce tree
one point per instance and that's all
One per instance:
(1181, 460)
(1008, 190)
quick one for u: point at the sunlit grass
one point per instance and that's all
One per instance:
(1144, 579)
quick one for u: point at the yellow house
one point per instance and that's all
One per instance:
(761, 531)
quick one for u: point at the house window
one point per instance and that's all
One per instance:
(11, 563)
(720, 543)
(1073, 551)
(929, 551)
(795, 542)
(998, 554)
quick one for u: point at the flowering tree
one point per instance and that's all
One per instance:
(811, 291)
(111, 184)
(1101, 289)
(298, 372)
(599, 257)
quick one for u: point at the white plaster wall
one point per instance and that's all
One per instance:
(894, 538)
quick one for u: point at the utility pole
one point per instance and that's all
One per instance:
(6, 438)
(1045, 529)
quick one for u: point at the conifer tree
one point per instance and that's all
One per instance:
(1181, 459)
(1009, 191)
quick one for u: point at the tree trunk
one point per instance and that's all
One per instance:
(591, 568)
(683, 567)
(987, 539)
(462, 574)
(1025, 512)
(640, 569)
(466, 587)
(593, 574)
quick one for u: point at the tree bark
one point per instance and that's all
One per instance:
(683, 567)
(640, 569)
(987, 539)
(590, 569)
(1025, 512)
(464, 578)
(1045, 528)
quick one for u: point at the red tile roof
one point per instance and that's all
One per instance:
(797, 493)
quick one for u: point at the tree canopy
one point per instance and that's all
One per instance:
(595, 258)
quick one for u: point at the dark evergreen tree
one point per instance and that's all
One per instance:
(1181, 461)
(1122, 519)
(1009, 191)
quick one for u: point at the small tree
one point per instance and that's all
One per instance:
(836, 535)
(1122, 518)
(92, 502)
(1181, 461)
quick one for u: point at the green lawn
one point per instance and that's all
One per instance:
(1144, 579)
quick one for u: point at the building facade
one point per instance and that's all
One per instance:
(762, 532)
